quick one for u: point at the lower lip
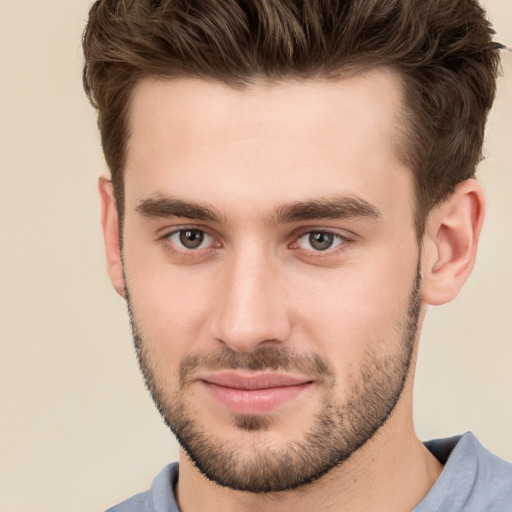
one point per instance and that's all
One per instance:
(254, 401)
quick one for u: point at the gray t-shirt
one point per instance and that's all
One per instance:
(473, 480)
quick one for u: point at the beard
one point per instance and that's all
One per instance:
(338, 429)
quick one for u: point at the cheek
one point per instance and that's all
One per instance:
(169, 305)
(359, 308)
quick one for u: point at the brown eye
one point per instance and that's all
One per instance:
(190, 243)
(319, 240)
(191, 238)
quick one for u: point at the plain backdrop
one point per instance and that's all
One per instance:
(77, 429)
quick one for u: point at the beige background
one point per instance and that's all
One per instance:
(77, 430)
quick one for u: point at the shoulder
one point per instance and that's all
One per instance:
(494, 474)
(473, 479)
(140, 503)
(466, 452)
(159, 498)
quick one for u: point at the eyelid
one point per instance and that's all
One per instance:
(346, 235)
(167, 233)
(345, 241)
(204, 243)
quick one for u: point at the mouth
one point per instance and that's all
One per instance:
(253, 393)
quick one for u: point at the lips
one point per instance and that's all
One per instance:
(253, 394)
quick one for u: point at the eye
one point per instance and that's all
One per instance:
(190, 239)
(319, 240)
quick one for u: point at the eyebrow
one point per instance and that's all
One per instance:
(162, 207)
(332, 207)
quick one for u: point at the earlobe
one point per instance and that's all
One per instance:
(110, 226)
(450, 243)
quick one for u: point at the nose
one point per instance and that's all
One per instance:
(252, 308)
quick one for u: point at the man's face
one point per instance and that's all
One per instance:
(271, 267)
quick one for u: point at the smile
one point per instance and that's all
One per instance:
(253, 394)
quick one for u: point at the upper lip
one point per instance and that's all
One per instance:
(253, 381)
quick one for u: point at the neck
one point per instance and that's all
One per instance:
(391, 472)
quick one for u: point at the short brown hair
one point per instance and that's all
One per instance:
(443, 50)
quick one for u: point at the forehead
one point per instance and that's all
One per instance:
(196, 138)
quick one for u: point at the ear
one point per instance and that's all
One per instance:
(450, 243)
(109, 223)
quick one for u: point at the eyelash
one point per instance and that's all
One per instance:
(344, 243)
(188, 253)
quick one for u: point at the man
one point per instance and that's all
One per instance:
(292, 185)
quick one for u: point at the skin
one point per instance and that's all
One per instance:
(257, 283)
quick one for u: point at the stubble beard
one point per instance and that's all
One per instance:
(338, 430)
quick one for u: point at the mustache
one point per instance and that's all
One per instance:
(264, 358)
